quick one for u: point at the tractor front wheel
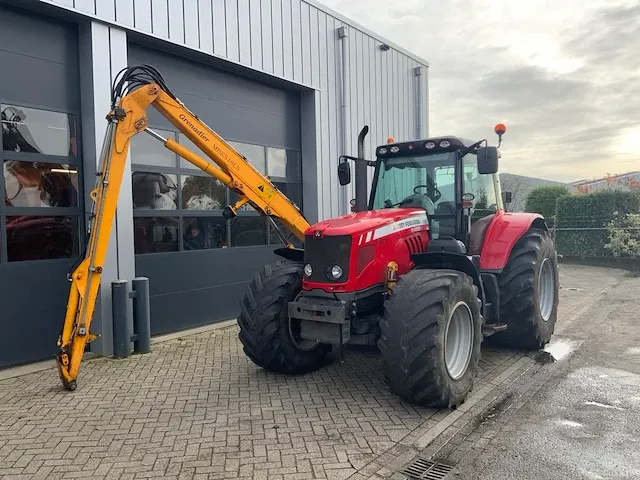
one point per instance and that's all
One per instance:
(266, 334)
(529, 289)
(430, 338)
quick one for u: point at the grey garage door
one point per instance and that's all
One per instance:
(197, 262)
(39, 231)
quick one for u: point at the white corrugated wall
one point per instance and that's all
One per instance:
(296, 40)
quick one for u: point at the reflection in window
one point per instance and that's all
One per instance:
(203, 193)
(274, 238)
(253, 153)
(31, 184)
(204, 233)
(155, 191)
(248, 230)
(38, 131)
(146, 150)
(283, 163)
(41, 238)
(155, 234)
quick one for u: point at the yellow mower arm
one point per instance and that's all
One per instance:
(127, 118)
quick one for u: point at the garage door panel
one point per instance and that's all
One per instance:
(189, 77)
(39, 68)
(25, 83)
(241, 124)
(24, 33)
(236, 107)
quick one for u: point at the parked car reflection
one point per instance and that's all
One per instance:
(40, 238)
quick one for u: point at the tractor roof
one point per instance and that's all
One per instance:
(447, 143)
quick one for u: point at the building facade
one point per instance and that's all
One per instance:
(288, 83)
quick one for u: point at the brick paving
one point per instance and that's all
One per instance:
(197, 408)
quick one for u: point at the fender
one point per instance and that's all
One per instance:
(501, 236)
(293, 254)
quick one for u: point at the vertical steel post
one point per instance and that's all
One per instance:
(141, 315)
(119, 304)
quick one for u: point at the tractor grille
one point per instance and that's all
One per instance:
(324, 253)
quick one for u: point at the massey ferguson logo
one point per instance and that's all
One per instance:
(317, 234)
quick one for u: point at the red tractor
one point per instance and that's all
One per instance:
(425, 269)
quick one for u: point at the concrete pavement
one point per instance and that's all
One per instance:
(196, 407)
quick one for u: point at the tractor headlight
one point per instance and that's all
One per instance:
(336, 272)
(308, 271)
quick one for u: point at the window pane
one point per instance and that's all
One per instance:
(293, 192)
(30, 184)
(156, 191)
(274, 238)
(146, 150)
(202, 233)
(41, 238)
(253, 153)
(184, 141)
(203, 193)
(38, 131)
(283, 163)
(155, 234)
(248, 230)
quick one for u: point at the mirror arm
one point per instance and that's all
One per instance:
(472, 147)
(344, 158)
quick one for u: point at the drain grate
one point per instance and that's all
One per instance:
(422, 469)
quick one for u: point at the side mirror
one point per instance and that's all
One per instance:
(508, 197)
(344, 172)
(487, 160)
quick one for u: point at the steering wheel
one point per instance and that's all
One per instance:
(436, 194)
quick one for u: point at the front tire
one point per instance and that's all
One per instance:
(529, 291)
(264, 324)
(425, 361)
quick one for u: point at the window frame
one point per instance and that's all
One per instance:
(78, 212)
(180, 171)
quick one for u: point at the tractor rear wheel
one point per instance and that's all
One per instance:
(265, 331)
(430, 338)
(529, 290)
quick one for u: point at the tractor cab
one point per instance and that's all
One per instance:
(453, 179)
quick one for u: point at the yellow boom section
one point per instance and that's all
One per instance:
(126, 120)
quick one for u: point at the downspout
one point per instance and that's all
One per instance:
(418, 88)
(344, 110)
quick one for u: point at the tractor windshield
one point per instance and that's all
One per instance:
(430, 179)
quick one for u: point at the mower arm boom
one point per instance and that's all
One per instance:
(127, 118)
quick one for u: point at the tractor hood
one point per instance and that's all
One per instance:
(362, 222)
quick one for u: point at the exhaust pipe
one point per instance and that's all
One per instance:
(361, 173)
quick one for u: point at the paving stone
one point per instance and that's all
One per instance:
(196, 407)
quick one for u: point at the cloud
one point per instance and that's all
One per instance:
(564, 77)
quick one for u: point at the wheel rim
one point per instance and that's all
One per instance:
(546, 284)
(458, 340)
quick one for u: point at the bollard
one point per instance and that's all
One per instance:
(119, 304)
(141, 315)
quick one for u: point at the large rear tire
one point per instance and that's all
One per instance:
(529, 291)
(264, 324)
(430, 339)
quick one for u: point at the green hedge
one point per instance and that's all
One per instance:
(543, 200)
(581, 220)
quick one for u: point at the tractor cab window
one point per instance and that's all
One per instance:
(482, 188)
(415, 181)
(410, 179)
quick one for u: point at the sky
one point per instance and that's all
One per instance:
(563, 76)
